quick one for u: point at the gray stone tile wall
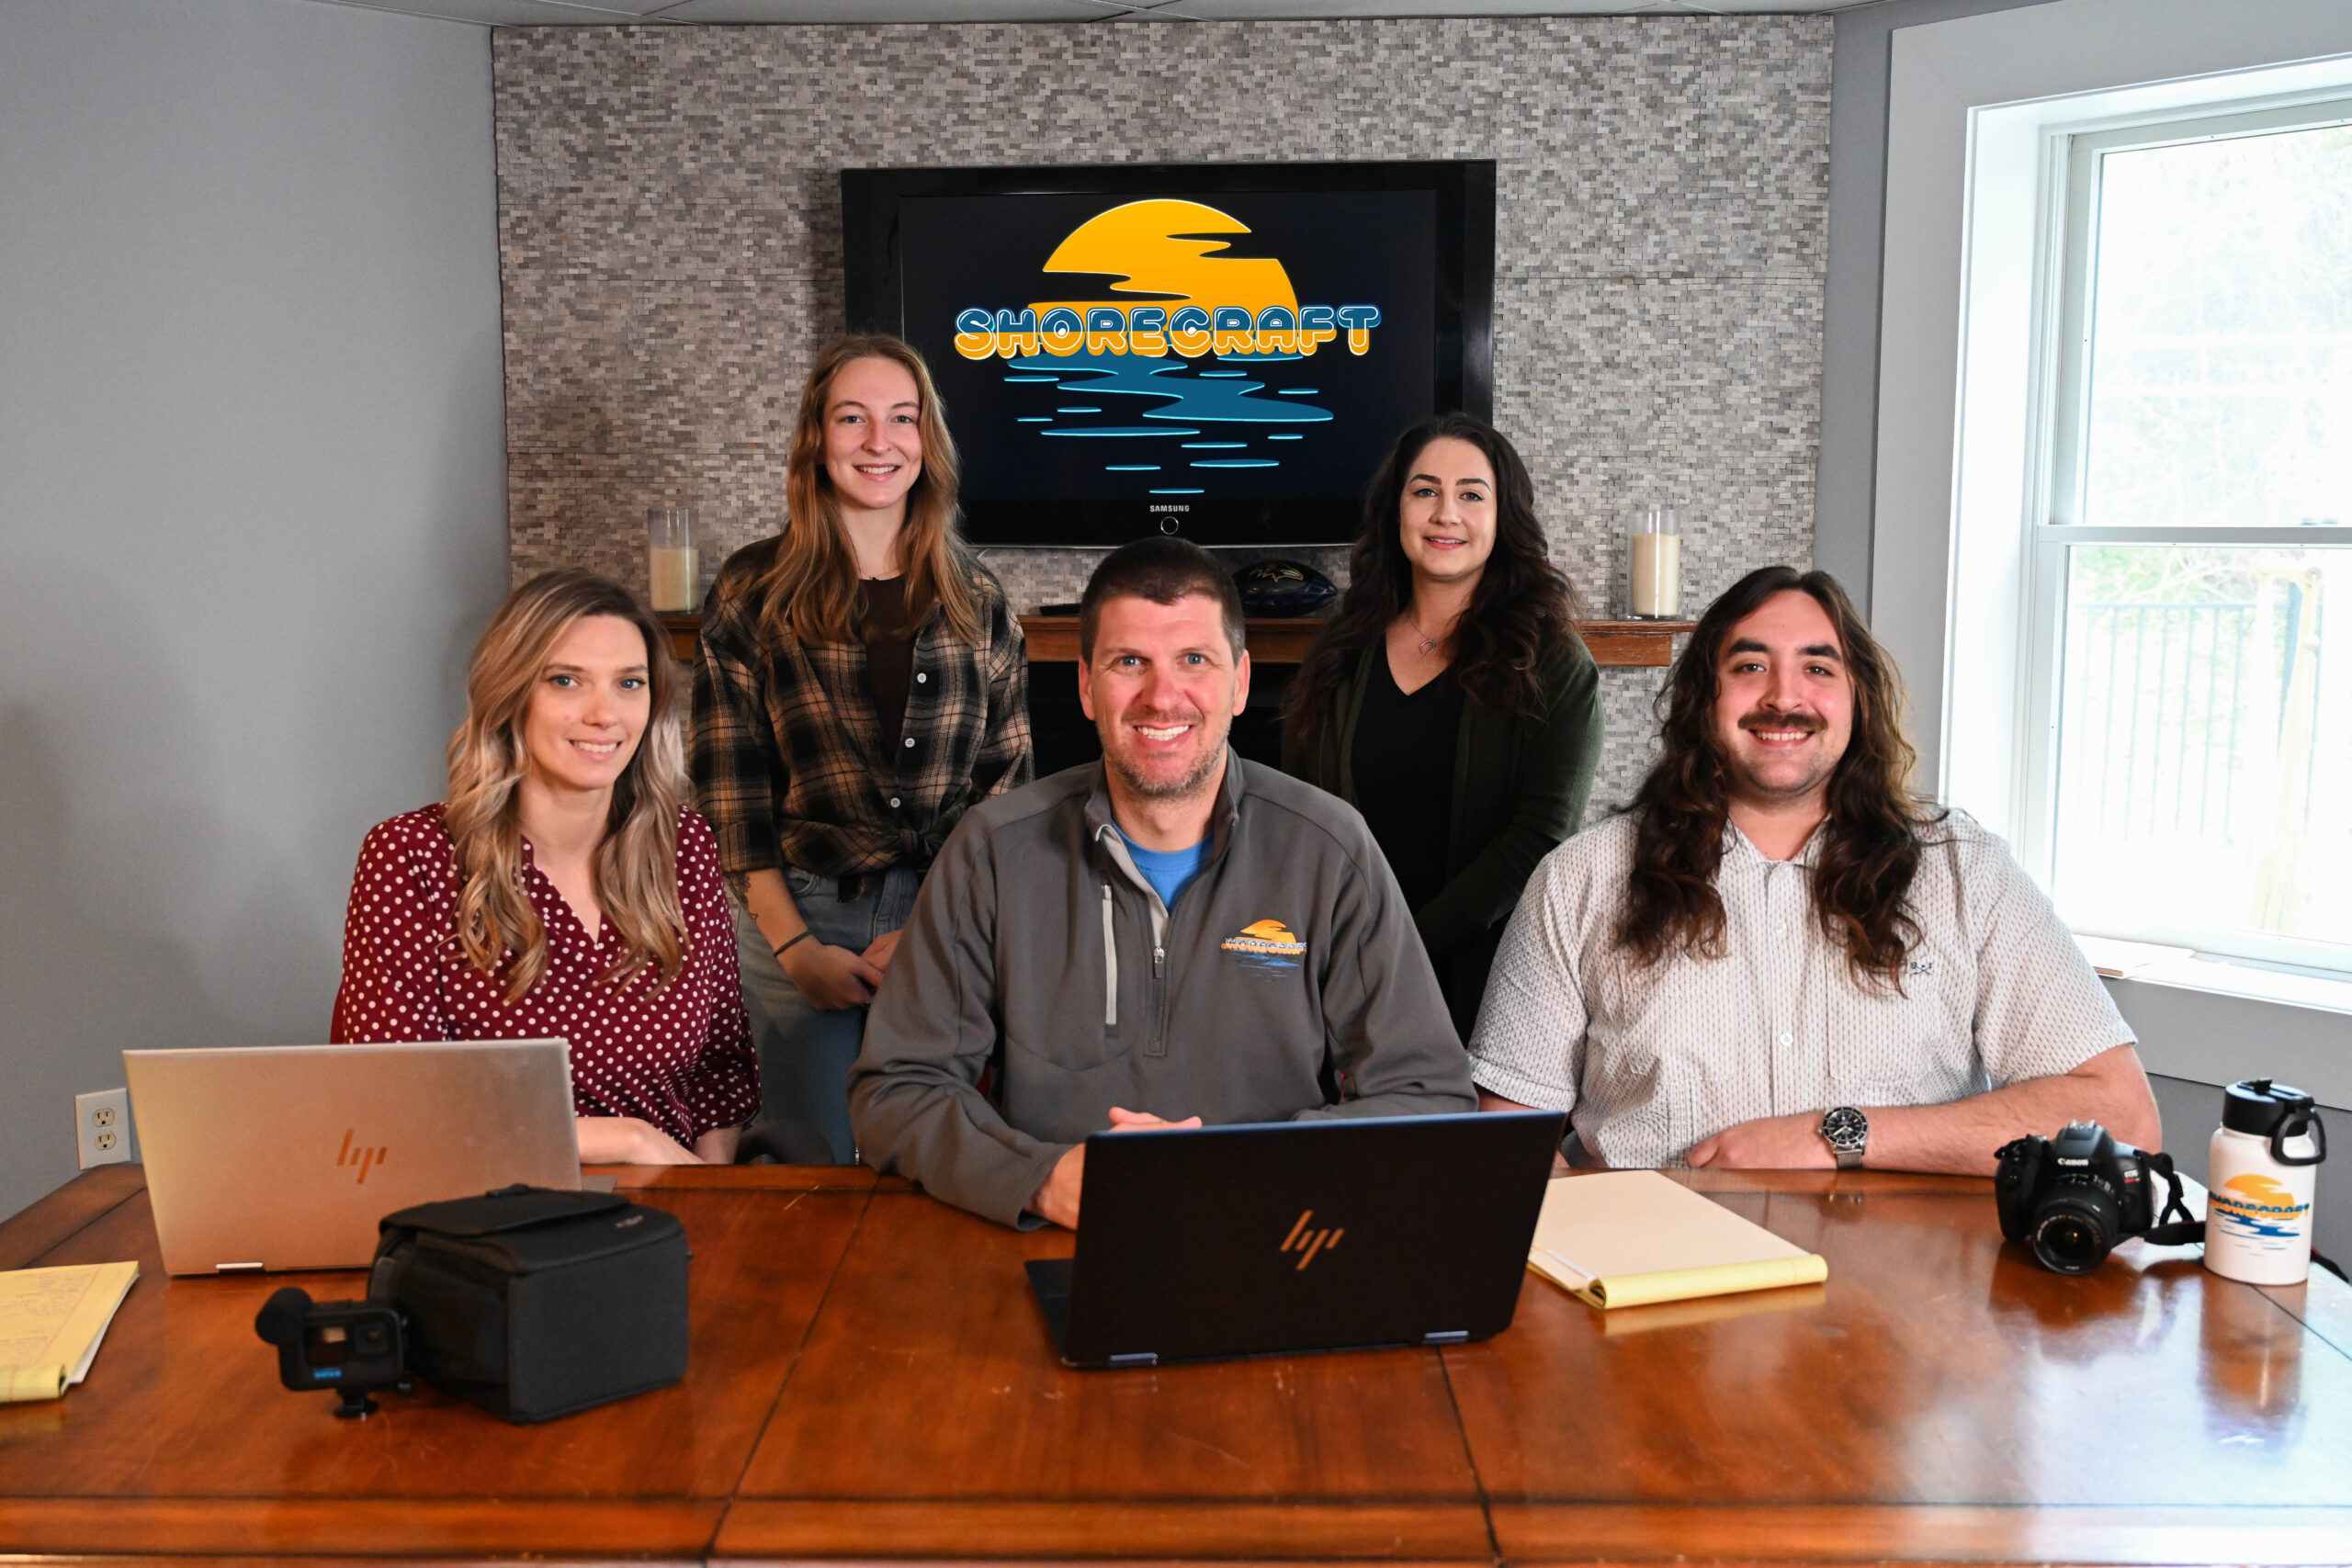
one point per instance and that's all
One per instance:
(669, 236)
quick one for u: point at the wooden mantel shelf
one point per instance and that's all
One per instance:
(1053, 640)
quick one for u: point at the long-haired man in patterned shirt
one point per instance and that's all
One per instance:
(1780, 957)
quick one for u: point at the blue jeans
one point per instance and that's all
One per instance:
(806, 1052)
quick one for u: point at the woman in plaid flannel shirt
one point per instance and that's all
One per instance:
(862, 683)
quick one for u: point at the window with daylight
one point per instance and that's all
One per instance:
(2192, 580)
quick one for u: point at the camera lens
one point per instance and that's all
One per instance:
(2074, 1230)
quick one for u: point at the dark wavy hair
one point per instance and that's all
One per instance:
(1521, 606)
(1869, 849)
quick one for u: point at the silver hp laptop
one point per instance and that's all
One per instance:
(1299, 1236)
(285, 1157)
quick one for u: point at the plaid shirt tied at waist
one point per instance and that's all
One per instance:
(787, 745)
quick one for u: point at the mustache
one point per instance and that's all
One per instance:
(1807, 722)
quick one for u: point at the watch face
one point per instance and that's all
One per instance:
(1846, 1128)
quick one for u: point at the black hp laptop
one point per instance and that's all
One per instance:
(1298, 1235)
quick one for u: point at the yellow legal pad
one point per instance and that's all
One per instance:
(50, 1323)
(1628, 1237)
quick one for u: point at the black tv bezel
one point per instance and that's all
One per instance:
(872, 289)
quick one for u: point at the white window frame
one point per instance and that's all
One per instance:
(2071, 165)
(1967, 100)
(1982, 110)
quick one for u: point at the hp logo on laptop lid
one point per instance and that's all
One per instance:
(1309, 1243)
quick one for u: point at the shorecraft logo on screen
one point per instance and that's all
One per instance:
(1206, 304)
(1175, 358)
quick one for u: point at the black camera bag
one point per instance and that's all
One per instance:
(534, 1304)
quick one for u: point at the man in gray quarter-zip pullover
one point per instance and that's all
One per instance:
(1278, 976)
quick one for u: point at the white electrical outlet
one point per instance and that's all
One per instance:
(101, 1126)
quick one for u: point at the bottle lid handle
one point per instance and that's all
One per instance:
(2294, 1125)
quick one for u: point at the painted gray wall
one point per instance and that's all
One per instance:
(252, 508)
(1849, 318)
(670, 229)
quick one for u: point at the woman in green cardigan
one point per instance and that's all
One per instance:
(1449, 699)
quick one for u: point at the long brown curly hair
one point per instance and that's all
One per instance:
(813, 589)
(1871, 841)
(1521, 606)
(636, 865)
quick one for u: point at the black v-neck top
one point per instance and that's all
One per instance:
(1404, 774)
(889, 656)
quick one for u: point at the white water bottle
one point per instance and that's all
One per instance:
(2262, 1172)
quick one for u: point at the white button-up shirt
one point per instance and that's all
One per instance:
(1650, 1062)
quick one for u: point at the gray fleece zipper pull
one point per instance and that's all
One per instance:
(1110, 965)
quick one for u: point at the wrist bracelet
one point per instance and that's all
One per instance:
(805, 934)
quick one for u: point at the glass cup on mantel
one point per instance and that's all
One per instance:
(1654, 567)
(670, 559)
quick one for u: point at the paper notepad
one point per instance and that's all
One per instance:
(1627, 1237)
(50, 1323)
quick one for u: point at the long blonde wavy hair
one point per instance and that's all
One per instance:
(636, 865)
(812, 589)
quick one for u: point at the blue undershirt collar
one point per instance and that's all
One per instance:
(1168, 871)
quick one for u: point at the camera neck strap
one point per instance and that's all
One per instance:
(2166, 1232)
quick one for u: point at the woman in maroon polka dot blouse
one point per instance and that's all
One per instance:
(564, 889)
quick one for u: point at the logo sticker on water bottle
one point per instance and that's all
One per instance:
(2256, 1209)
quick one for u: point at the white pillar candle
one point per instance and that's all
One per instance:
(670, 569)
(1656, 585)
(670, 559)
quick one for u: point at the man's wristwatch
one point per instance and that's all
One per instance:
(1848, 1132)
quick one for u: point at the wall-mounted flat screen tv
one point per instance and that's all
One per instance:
(1220, 351)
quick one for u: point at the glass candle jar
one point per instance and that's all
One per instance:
(1654, 567)
(670, 559)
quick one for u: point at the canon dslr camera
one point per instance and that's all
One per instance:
(2075, 1196)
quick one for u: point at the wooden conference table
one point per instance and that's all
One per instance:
(870, 1379)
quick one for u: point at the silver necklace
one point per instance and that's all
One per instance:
(1429, 643)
